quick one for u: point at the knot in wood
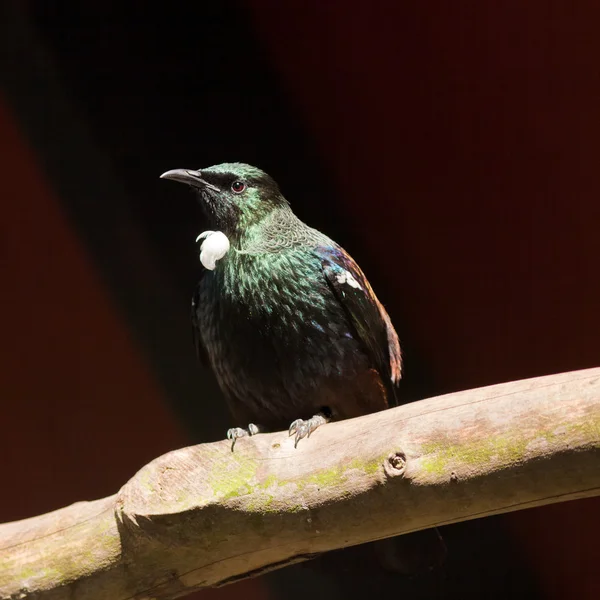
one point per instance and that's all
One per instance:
(395, 464)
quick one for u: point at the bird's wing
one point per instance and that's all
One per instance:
(201, 351)
(366, 314)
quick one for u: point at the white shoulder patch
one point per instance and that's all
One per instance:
(214, 247)
(347, 277)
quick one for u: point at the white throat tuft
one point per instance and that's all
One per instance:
(214, 247)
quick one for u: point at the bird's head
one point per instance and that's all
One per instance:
(234, 196)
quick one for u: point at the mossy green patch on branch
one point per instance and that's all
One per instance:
(369, 467)
(338, 475)
(242, 479)
(238, 479)
(271, 480)
(446, 454)
(588, 429)
(36, 575)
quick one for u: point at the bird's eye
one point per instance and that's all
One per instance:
(238, 187)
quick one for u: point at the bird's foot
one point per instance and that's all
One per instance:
(238, 432)
(304, 428)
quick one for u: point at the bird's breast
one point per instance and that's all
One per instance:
(272, 325)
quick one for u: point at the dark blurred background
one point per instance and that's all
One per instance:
(452, 148)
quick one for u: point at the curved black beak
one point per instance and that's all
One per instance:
(189, 177)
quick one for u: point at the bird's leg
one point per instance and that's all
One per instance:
(304, 428)
(237, 432)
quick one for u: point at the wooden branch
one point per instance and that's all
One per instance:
(205, 516)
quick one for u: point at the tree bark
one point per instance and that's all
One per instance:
(205, 516)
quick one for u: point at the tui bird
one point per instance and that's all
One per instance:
(286, 318)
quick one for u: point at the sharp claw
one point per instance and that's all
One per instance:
(304, 428)
(294, 426)
(302, 431)
(235, 433)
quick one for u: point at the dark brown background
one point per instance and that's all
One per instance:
(453, 148)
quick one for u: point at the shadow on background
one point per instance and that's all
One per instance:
(453, 151)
